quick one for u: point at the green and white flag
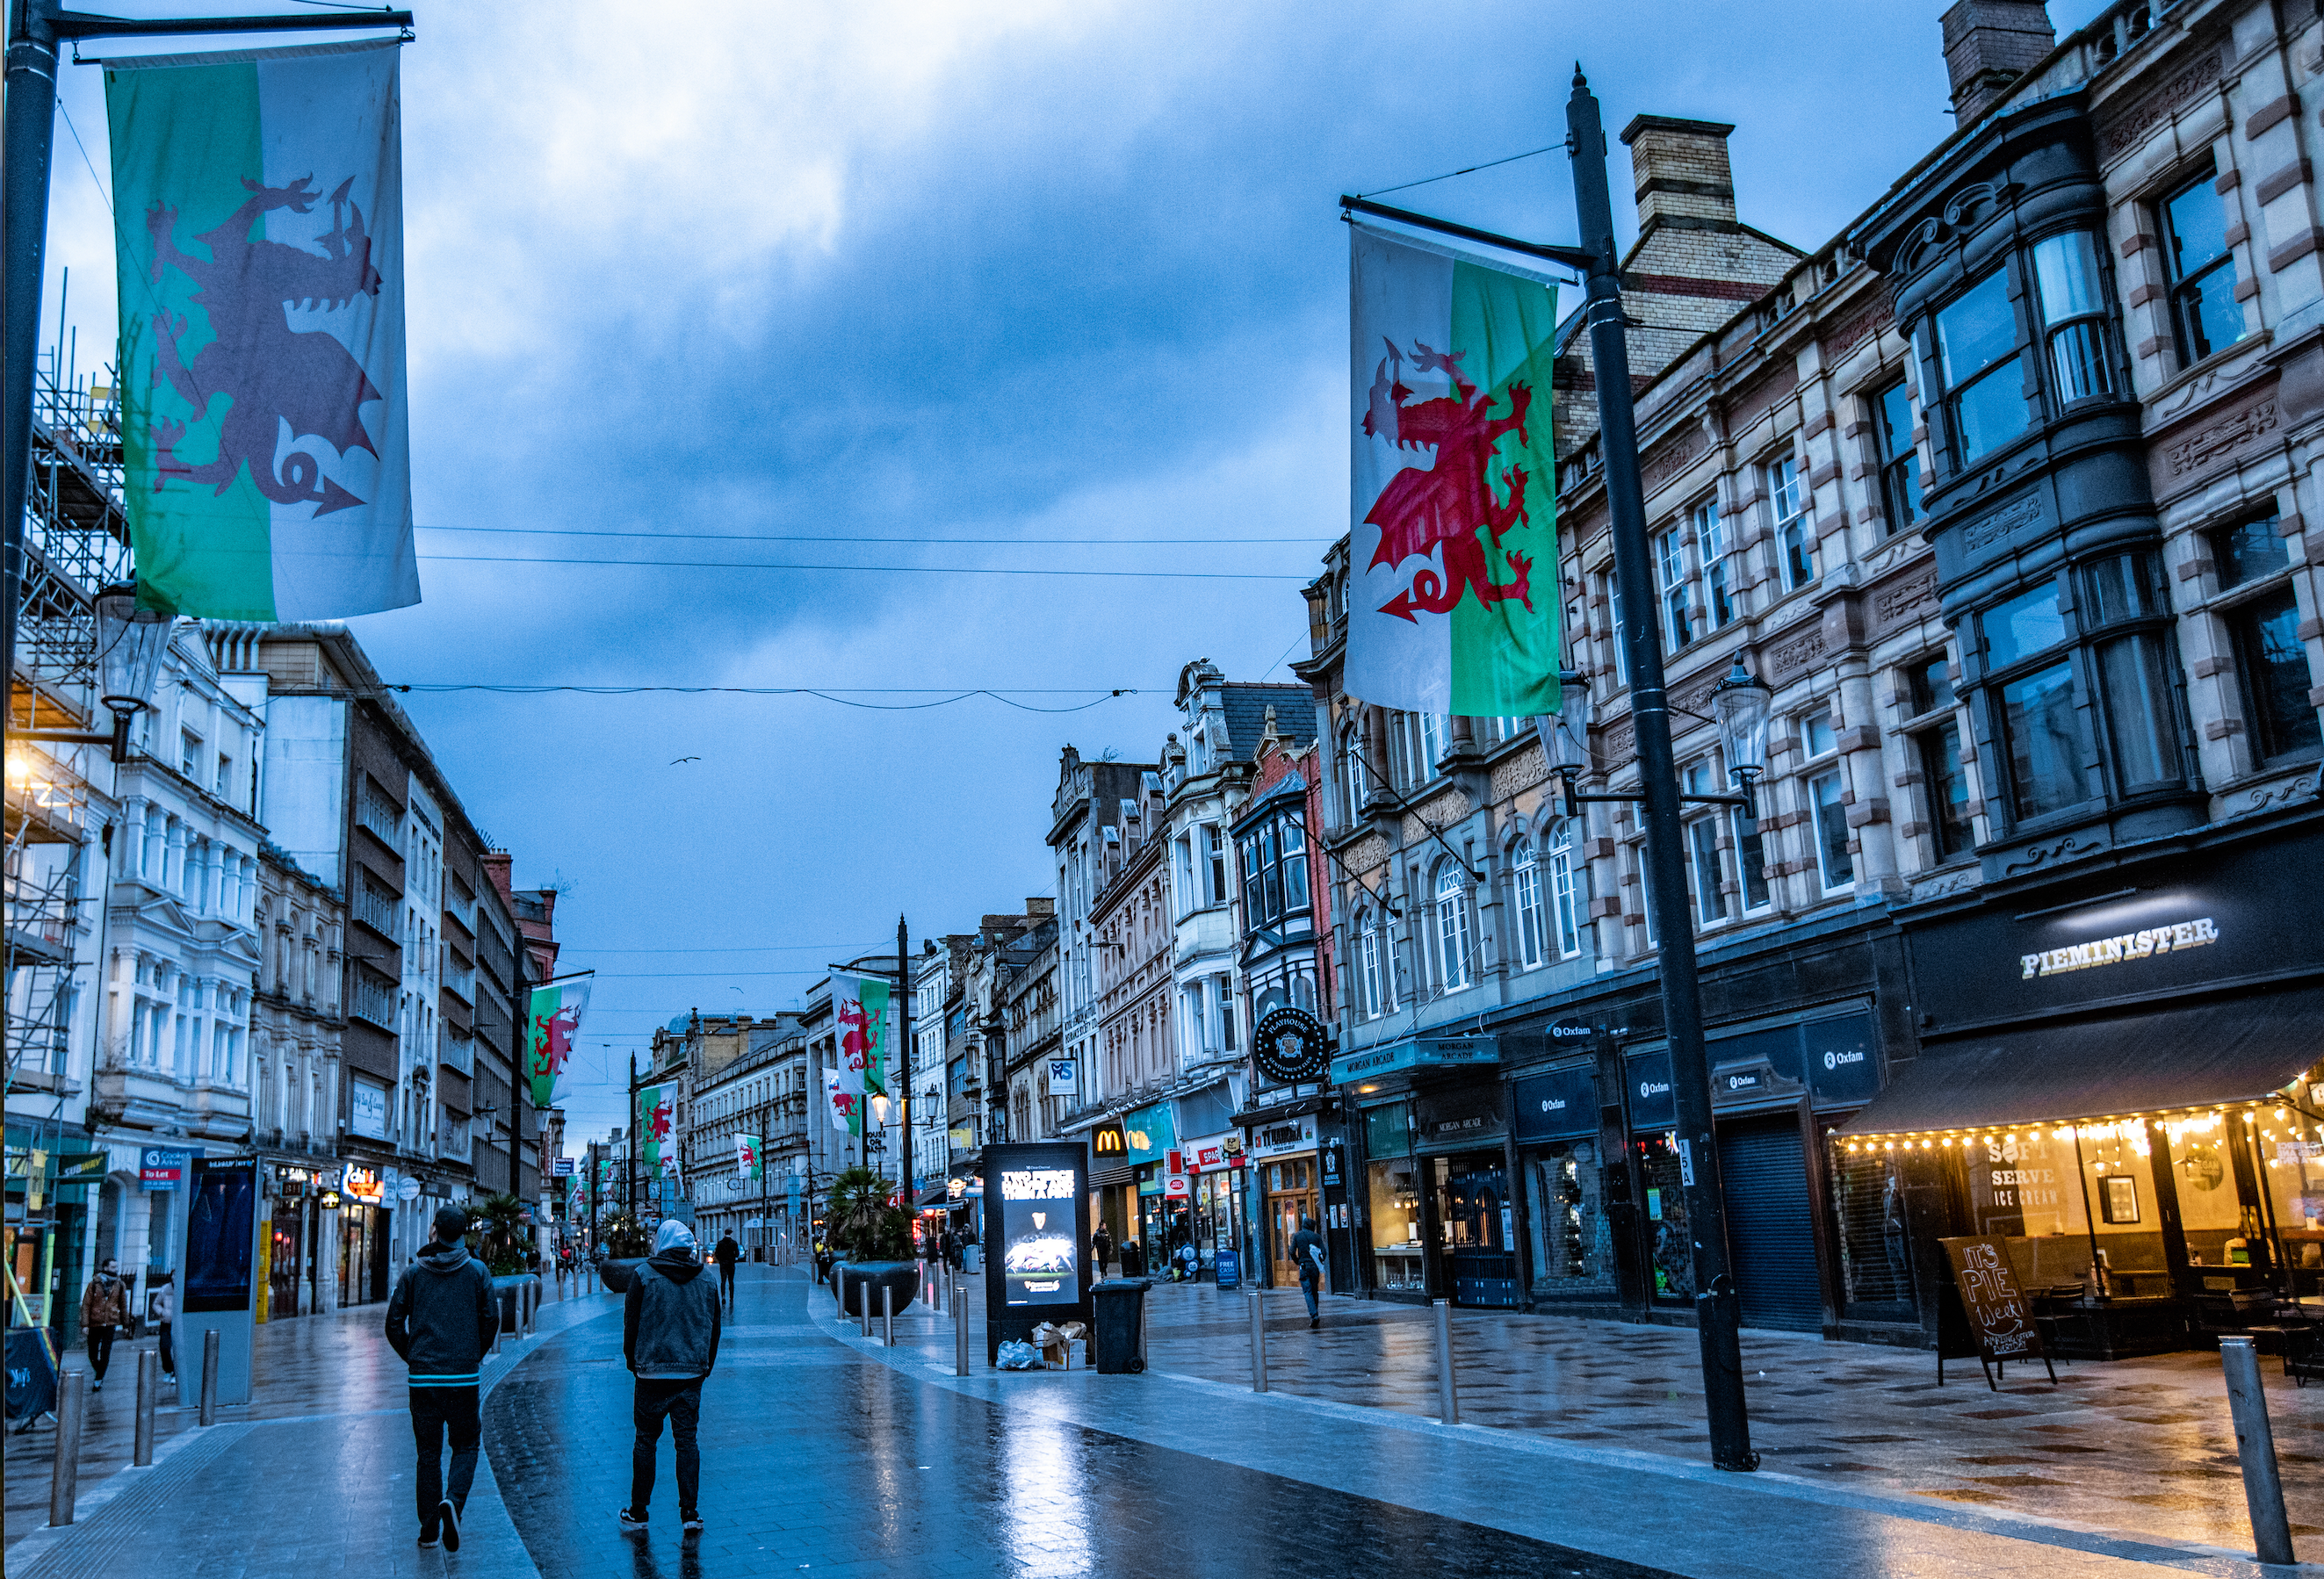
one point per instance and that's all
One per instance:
(258, 228)
(859, 1006)
(550, 1024)
(1454, 602)
(656, 1125)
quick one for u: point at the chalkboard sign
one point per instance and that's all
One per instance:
(2000, 1318)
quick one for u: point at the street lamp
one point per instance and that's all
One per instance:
(1740, 705)
(130, 642)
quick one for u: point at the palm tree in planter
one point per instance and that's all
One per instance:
(501, 1233)
(874, 1237)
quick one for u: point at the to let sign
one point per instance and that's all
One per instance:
(158, 1169)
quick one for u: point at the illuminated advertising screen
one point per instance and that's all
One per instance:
(1040, 1235)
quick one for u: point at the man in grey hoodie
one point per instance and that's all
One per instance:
(441, 1319)
(670, 1337)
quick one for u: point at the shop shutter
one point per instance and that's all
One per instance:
(1770, 1225)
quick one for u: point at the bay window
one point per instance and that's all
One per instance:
(2073, 317)
(1977, 351)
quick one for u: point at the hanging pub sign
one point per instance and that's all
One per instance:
(2000, 1321)
(1291, 1047)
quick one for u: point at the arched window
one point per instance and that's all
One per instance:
(1451, 930)
(1532, 941)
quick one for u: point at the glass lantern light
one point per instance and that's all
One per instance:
(1564, 737)
(1740, 706)
(130, 642)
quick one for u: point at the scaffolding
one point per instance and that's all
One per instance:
(76, 543)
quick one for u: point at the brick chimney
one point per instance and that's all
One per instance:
(1681, 169)
(1990, 44)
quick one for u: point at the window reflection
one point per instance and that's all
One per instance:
(2045, 751)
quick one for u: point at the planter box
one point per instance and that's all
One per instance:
(859, 1283)
(615, 1271)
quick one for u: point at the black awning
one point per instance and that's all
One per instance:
(2238, 1050)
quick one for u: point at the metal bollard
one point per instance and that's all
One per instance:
(887, 1314)
(1448, 1401)
(1257, 1338)
(210, 1340)
(149, 1389)
(2256, 1446)
(64, 1472)
(960, 1332)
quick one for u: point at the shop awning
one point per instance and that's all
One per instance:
(2239, 1051)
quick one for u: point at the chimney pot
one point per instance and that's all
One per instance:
(1989, 44)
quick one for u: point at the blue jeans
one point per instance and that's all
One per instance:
(1308, 1278)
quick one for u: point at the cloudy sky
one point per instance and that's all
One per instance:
(964, 296)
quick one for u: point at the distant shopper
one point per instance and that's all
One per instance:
(1101, 1245)
(726, 1253)
(670, 1337)
(103, 1308)
(441, 1318)
(1307, 1252)
(162, 1309)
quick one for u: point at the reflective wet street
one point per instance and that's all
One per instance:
(825, 1452)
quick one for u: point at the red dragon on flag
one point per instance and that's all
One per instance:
(1422, 508)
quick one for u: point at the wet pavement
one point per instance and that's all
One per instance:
(826, 1452)
(2142, 1446)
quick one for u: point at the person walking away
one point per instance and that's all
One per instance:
(441, 1319)
(727, 1254)
(1307, 1252)
(670, 1339)
(103, 1308)
(161, 1306)
(1101, 1245)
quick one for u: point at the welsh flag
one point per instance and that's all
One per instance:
(551, 1023)
(657, 1121)
(1455, 607)
(258, 231)
(746, 1156)
(860, 1006)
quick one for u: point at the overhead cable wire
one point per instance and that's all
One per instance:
(732, 536)
(1465, 169)
(882, 570)
(944, 700)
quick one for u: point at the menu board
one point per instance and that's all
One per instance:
(1998, 1316)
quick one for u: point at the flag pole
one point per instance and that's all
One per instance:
(1717, 1308)
(35, 29)
(904, 1067)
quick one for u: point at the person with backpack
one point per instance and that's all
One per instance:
(1307, 1252)
(670, 1339)
(441, 1320)
(103, 1310)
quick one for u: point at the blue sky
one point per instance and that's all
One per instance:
(1011, 272)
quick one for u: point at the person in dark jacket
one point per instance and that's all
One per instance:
(1307, 1252)
(441, 1319)
(726, 1253)
(670, 1338)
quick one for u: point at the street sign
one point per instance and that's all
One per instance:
(407, 1188)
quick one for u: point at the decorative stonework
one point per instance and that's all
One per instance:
(1673, 455)
(1990, 529)
(1439, 811)
(2283, 792)
(1795, 653)
(2218, 438)
(1520, 773)
(2055, 851)
(1908, 598)
(2120, 131)
(1366, 854)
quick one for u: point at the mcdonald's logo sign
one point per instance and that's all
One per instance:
(1106, 1141)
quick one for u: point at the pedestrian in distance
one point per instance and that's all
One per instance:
(440, 1319)
(1101, 1245)
(161, 1308)
(1307, 1252)
(670, 1338)
(103, 1308)
(727, 1254)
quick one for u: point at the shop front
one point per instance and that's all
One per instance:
(1284, 1160)
(288, 1243)
(1460, 1139)
(1433, 1213)
(364, 1219)
(1563, 1182)
(1149, 1135)
(1214, 1169)
(2122, 1085)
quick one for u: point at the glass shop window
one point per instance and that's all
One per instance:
(1976, 346)
(2205, 315)
(1399, 1254)
(1670, 1247)
(2073, 317)
(1572, 1251)
(1875, 1252)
